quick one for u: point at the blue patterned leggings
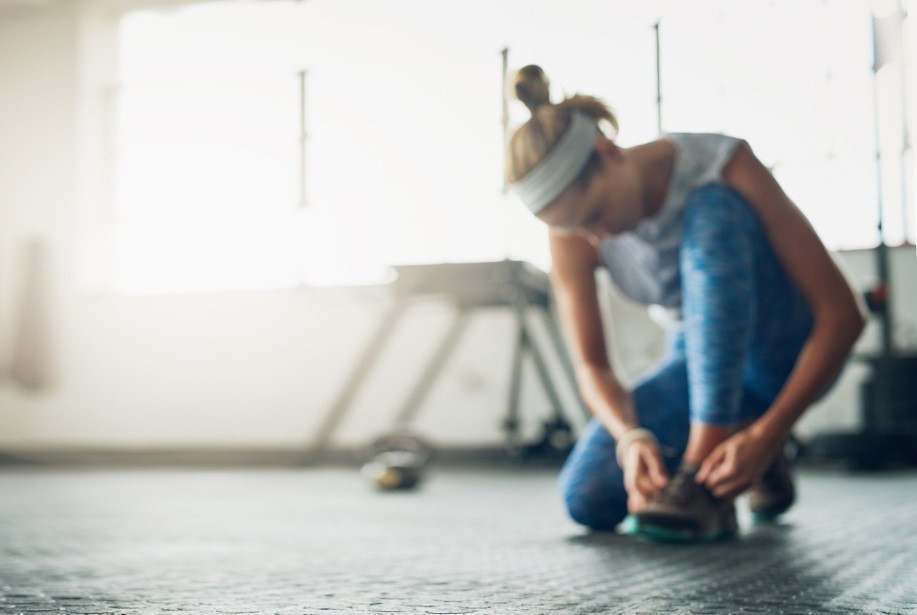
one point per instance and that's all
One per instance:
(744, 325)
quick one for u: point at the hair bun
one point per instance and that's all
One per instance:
(532, 87)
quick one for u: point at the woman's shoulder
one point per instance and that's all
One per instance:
(701, 142)
(572, 254)
(701, 156)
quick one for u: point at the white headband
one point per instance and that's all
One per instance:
(559, 168)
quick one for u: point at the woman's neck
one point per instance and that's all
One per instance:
(654, 162)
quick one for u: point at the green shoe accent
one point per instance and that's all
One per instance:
(662, 534)
(766, 516)
(630, 526)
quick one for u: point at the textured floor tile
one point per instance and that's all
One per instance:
(303, 542)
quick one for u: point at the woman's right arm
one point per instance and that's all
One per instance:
(573, 280)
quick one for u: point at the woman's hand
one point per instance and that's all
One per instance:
(736, 463)
(644, 473)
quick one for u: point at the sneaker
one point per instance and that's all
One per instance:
(773, 493)
(686, 511)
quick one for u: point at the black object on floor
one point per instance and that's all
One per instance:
(888, 403)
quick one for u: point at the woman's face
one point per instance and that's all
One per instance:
(612, 203)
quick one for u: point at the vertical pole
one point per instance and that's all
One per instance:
(907, 180)
(302, 139)
(881, 249)
(505, 118)
(111, 104)
(658, 80)
(511, 422)
(507, 222)
(111, 210)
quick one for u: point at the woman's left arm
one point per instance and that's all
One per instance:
(839, 316)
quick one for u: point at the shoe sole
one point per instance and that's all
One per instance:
(768, 515)
(632, 526)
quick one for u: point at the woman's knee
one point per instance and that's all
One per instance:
(593, 506)
(720, 200)
(591, 483)
(718, 265)
(717, 219)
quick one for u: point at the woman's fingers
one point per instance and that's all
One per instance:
(635, 503)
(644, 473)
(720, 465)
(730, 488)
(646, 486)
(712, 461)
(656, 469)
(722, 473)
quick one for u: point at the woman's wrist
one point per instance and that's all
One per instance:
(628, 438)
(767, 432)
(618, 431)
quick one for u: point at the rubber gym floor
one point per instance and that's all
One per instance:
(486, 540)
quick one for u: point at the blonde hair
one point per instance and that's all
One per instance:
(535, 138)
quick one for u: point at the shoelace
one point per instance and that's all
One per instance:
(678, 489)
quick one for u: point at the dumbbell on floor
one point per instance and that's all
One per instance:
(397, 461)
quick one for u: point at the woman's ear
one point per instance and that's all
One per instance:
(608, 148)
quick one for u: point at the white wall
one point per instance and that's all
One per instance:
(37, 174)
(242, 369)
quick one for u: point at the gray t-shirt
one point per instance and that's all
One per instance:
(644, 263)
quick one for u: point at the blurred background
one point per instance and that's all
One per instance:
(201, 203)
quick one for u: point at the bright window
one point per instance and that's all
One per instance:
(403, 98)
